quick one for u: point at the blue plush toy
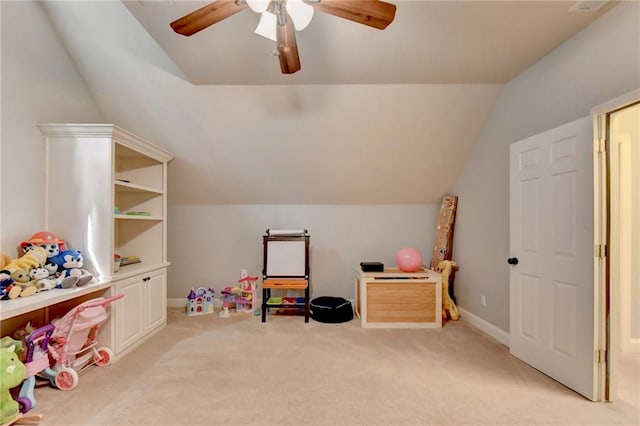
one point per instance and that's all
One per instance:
(70, 263)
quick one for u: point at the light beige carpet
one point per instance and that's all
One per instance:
(237, 371)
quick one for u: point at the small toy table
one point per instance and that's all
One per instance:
(396, 299)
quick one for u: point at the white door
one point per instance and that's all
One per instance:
(551, 236)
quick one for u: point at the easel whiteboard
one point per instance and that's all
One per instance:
(286, 258)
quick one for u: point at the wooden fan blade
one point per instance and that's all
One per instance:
(374, 13)
(287, 47)
(206, 16)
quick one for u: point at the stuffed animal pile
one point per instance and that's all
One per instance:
(46, 263)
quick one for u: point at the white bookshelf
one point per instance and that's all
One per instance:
(91, 170)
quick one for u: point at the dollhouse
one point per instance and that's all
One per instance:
(200, 301)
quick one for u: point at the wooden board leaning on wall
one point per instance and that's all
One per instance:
(442, 248)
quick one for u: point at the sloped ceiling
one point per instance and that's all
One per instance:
(386, 118)
(442, 42)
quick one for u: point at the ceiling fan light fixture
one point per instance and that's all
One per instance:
(300, 12)
(258, 6)
(267, 25)
(280, 19)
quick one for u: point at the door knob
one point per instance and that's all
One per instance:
(512, 261)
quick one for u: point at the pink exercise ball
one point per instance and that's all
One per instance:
(409, 259)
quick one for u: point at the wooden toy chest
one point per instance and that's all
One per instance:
(398, 299)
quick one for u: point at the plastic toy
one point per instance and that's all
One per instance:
(12, 372)
(248, 289)
(229, 295)
(449, 308)
(224, 313)
(74, 340)
(409, 259)
(37, 363)
(200, 301)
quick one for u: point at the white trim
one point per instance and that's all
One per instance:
(497, 333)
(600, 220)
(603, 330)
(177, 303)
(112, 131)
(619, 102)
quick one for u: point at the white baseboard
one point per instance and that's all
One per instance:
(177, 303)
(484, 326)
(181, 302)
(497, 333)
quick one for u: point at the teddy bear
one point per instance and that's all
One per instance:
(70, 263)
(12, 373)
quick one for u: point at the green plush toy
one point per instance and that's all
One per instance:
(12, 373)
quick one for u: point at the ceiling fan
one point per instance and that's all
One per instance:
(279, 19)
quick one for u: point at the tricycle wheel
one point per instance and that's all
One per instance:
(104, 357)
(67, 379)
(24, 403)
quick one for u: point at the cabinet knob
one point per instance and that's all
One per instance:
(512, 261)
(146, 279)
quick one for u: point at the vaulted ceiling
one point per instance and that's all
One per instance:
(373, 117)
(443, 42)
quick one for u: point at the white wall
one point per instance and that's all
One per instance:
(209, 245)
(314, 151)
(596, 65)
(321, 144)
(139, 88)
(39, 84)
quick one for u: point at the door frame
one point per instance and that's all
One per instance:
(607, 297)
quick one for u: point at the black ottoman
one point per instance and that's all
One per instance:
(331, 309)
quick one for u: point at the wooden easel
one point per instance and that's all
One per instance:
(443, 246)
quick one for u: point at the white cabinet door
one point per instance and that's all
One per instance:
(156, 288)
(129, 316)
(551, 236)
(143, 308)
